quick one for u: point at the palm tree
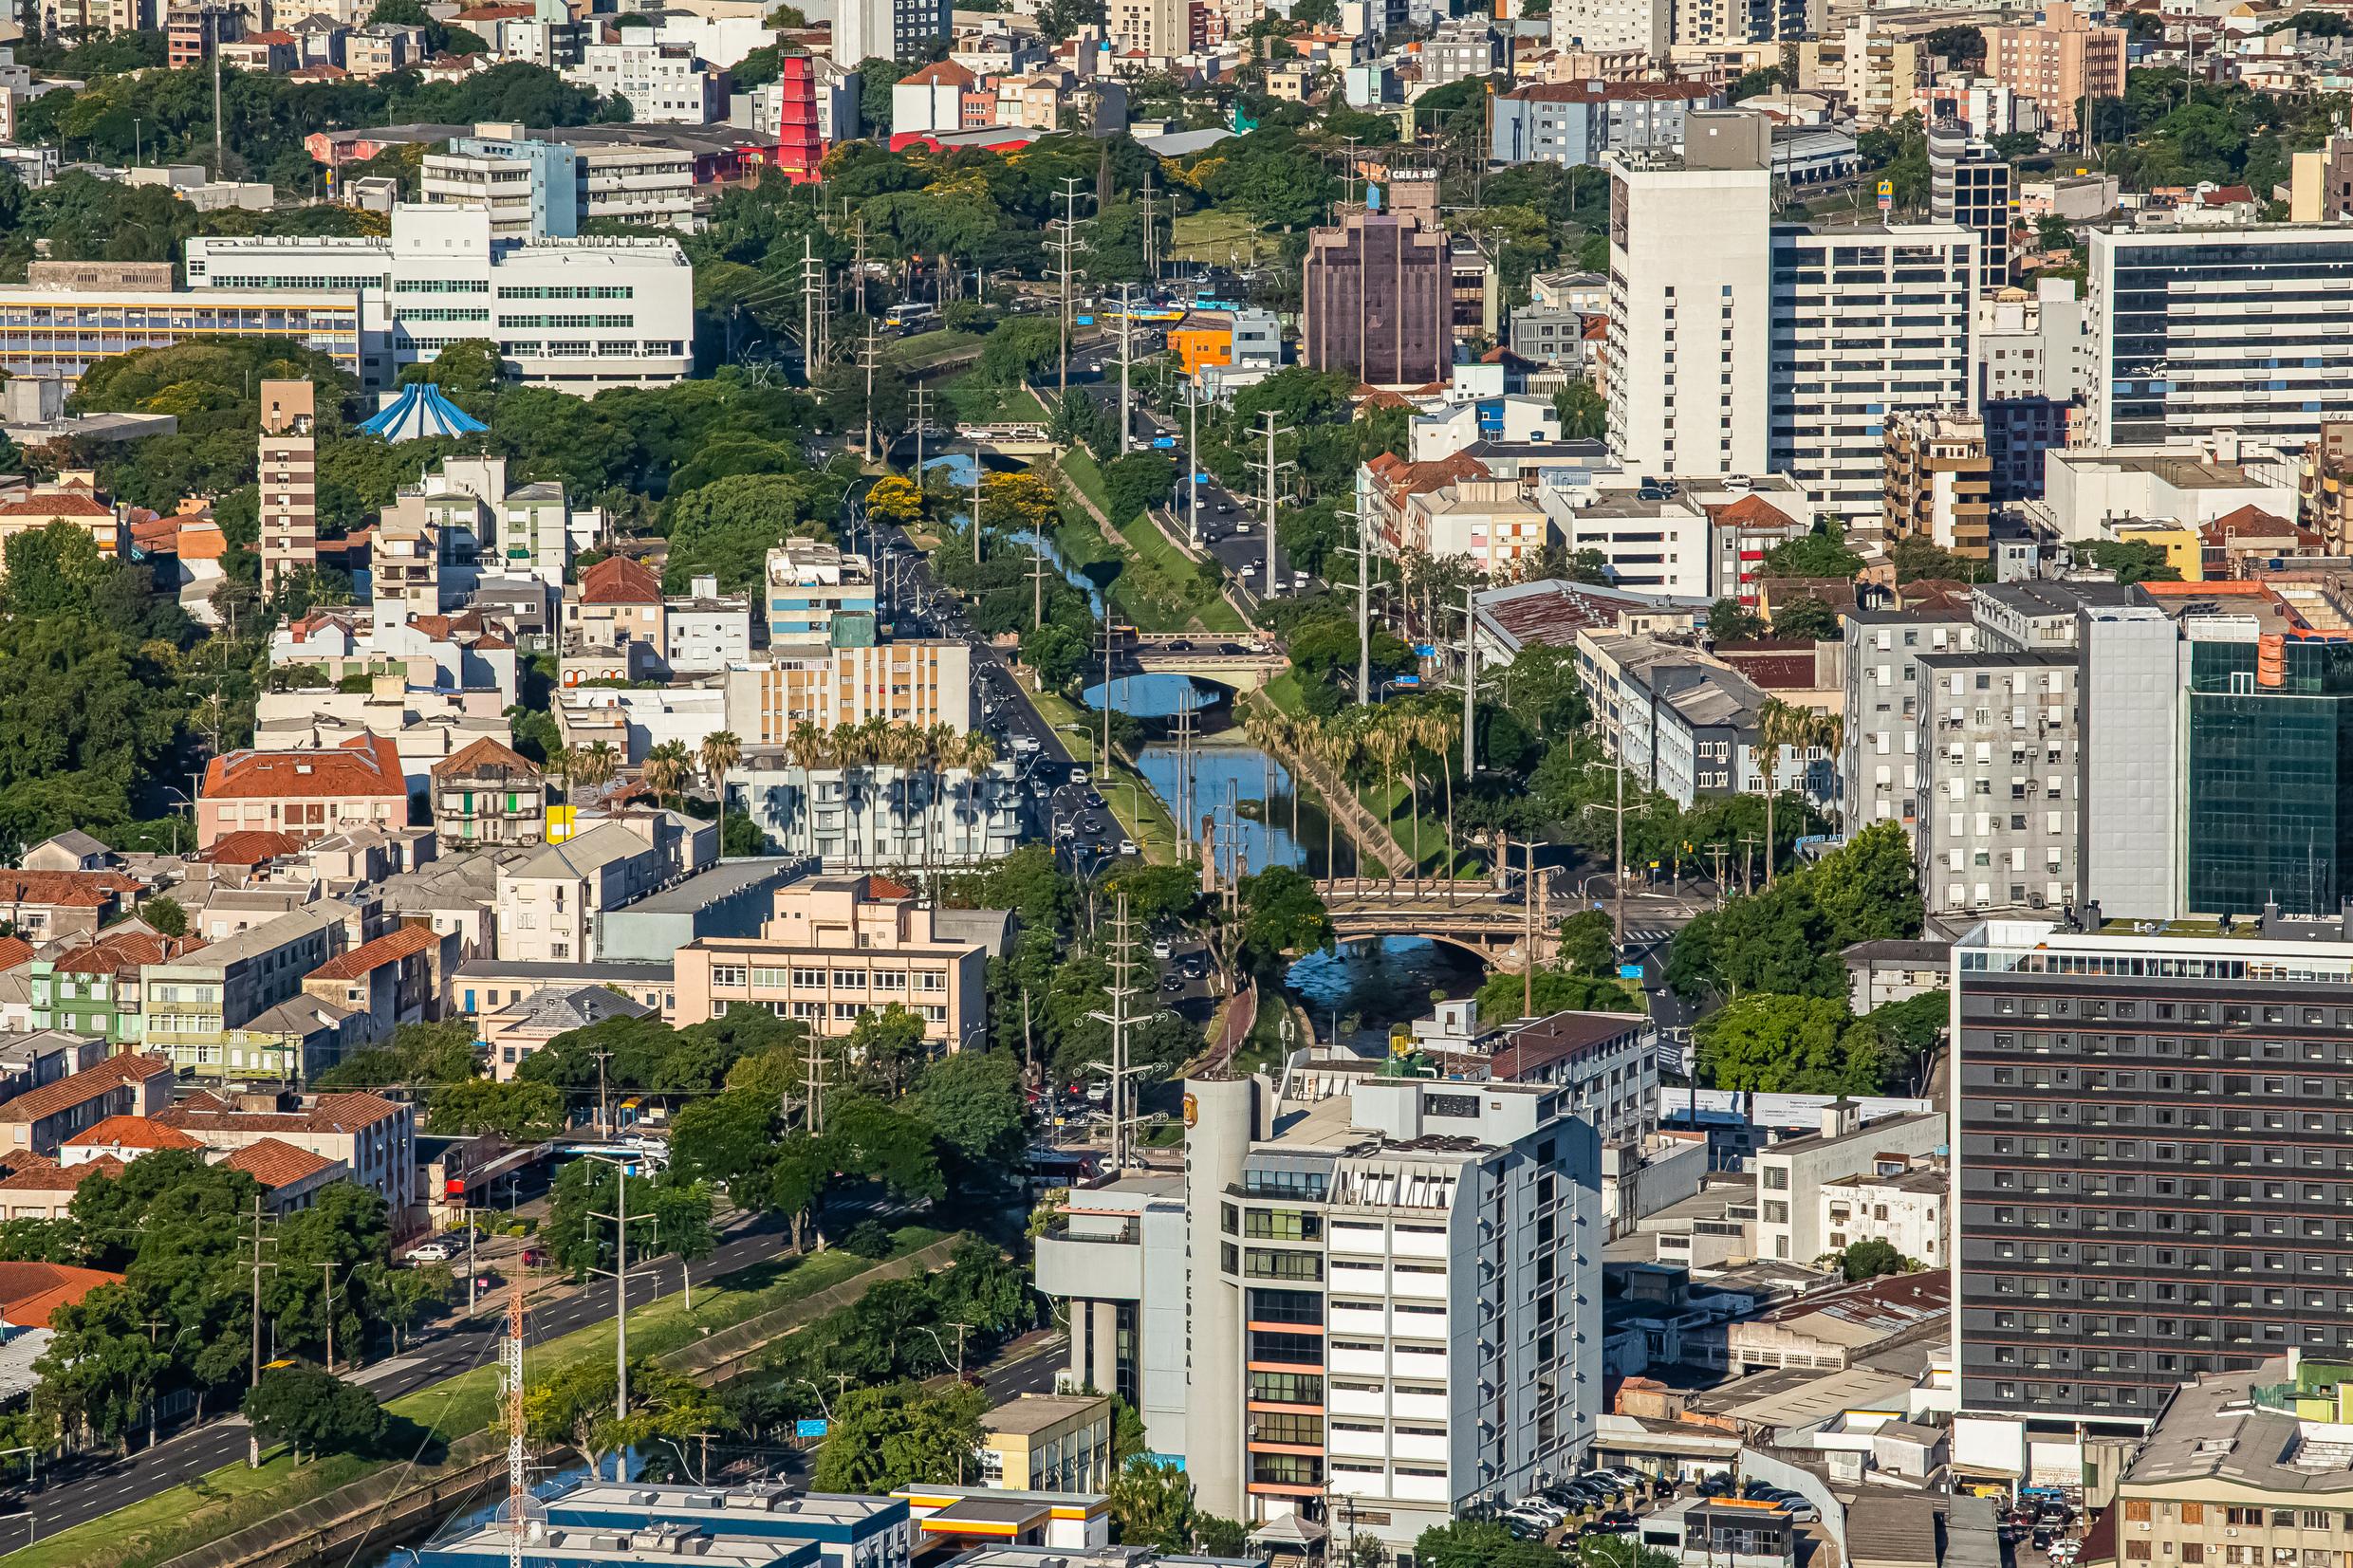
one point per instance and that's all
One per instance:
(1400, 732)
(720, 751)
(561, 762)
(1778, 723)
(1327, 748)
(597, 764)
(977, 754)
(1441, 731)
(666, 767)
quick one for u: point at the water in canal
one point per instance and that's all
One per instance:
(1392, 981)
(1251, 797)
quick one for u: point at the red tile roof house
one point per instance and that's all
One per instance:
(40, 1121)
(34, 1187)
(375, 1138)
(308, 794)
(47, 905)
(30, 1292)
(399, 978)
(291, 1176)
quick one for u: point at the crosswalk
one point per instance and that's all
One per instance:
(1647, 936)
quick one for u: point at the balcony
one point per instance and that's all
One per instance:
(1098, 1263)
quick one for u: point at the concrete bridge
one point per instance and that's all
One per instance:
(1006, 440)
(1494, 924)
(1241, 663)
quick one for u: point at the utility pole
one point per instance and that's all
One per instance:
(474, 1277)
(1269, 471)
(253, 1441)
(1152, 241)
(1716, 852)
(1618, 876)
(1127, 355)
(978, 474)
(873, 355)
(1748, 861)
(920, 399)
(1527, 934)
(1470, 674)
(620, 1285)
(816, 1083)
(808, 312)
(1102, 763)
(858, 237)
(604, 1114)
(1123, 961)
(519, 1503)
(326, 1310)
(1362, 550)
(1037, 589)
(1192, 466)
(219, 158)
(1065, 241)
(1184, 771)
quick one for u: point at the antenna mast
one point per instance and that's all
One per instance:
(521, 1508)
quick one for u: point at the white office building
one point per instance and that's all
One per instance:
(1604, 25)
(880, 816)
(1791, 1174)
(1865, 322)
(1392, 1298)
(1690, 293)
(577, 315)
(2205, 329)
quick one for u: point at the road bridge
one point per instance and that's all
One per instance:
(1241, 663)
(1493, 923)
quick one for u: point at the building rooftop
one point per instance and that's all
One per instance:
(1034, 1412)
(724, 881)
(391, 948)
(365, 765)
(1560, 1037)
(275, 1164)
(2240, 1428)
(1809, 1142)
(574, 1008)
(68, 1092)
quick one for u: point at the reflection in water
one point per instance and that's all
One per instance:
(1251, 796)
(1392, 981)
(1030, 538)
(1156, 696)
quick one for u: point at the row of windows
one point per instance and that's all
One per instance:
(2197, 1048)
(735, 977)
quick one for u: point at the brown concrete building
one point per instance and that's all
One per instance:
(489, 794)
(1940, 479)
(1379, 293)
(289, 479)
(2056, 62)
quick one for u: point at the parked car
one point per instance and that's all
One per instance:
(1543, 1508)
(1161, 948)
(432, 1252)
(1521, 1528)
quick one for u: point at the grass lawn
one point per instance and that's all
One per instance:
(926, 348)
(1285, 694)
(1078, 465)
(1216, 237)
(1392, 803)
(973, 402)
(183, 1518)
(1143, 816)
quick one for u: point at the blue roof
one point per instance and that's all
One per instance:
(420, 412)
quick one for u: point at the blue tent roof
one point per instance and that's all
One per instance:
(420, 412)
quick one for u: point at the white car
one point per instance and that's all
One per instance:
(1546, 1513)
(432, 1252)
(1127, 846)
(1161, 949)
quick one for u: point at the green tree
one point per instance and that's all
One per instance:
(1134, 482)
(1479, 1543)
(888, 1043)
(516, 1111)
(1152, 1504)
(1788, 1044)
(1584, 412)
(1806, 619)
(1871, 1258)
(1822, 553)
(313, 1410)
(2132, 561)
(881, 1440)
(167, 915)
(974, 1103)
(1729, 620)
(1020, 349)
(1282, 916)
(1502, 994)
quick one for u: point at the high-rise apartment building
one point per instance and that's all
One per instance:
(1969, 184)
(1689, 294)
(1879, 762)
(2153, 1140)
(2203, 329)
(892, 29)
(2058, 61)
(2033, 364)
(1865, 322)
(1604, 25)
(1379, 1308)
(287, 474)
(1939, 480)
(1997, 827)
(1378, 292)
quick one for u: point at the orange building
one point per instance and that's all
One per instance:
(1198, 346)
(2057, 62)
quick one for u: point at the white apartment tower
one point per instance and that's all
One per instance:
(286, 476)
(1865, 322)
(1393, 1299)
(1689, 294)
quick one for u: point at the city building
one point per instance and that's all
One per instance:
(2033, 364)
(2057, 62)
(1691, 263)
(549, 903)
(838, 948)
(390, 980)
(915, 683)
(1158, 29)
(488, 793)
(93, 990)
(541, 188)
(851, 814)
(1969, 184)
(1640, 27)
(614, 626)
(890, 29)
(514, 1032)
(56, 332)
(705, 632)
(1906, 1209)
(374, 1138)
(665, 82)
(2174, 1097)
(40, 1120)
(1576, 122)
(1791, 1173)
(306, 793)
(1997, 822)
(813, 586)
(1352, 1336)
(847, 1531)
(2171, 310)
(439, 279)
(1704, 539)
(287, 475)
(1377, 292)
(1866, 319)
(1047, 1442)
(236, 1009)
(2245, 1460)
(1939, 480)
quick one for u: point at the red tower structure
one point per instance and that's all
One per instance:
(799, 150)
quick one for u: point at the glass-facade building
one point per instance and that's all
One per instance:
(2199, 330)
(2269, 786)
